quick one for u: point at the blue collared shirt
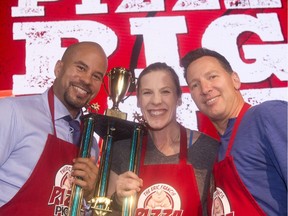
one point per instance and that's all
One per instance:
(25, 123)
(260, 154)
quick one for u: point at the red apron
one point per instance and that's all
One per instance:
(231, 197)
(169, 189)
(47, 190)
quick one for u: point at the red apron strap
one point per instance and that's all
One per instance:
(143, 150)
(183, 145)
(236, 126)
(51, 107)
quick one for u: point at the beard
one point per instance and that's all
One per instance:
(74, 102)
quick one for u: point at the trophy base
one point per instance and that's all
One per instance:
(100, 205)
(116, 114)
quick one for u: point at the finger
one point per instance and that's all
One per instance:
(123, 194)
(79, 160)
(86, 182)
(130, 178)
(126, 186)
(130, 174)
(86, 174)
(85, 165)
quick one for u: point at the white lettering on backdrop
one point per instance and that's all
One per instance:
(28, 8)
(47, 36)
(160, 43)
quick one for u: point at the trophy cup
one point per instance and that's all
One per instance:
(119, 83)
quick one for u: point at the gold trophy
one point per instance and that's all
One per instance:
(112, 126)
(119, 83)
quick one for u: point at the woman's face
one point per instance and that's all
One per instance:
(158, 99)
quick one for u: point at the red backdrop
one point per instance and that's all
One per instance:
(251, 34)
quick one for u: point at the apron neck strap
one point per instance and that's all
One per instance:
(183, 145)
(51, 107)
(236, 126)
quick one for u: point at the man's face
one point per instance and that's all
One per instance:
(212, 88)
(79, 77)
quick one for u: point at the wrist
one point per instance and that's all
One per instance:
(116, 204)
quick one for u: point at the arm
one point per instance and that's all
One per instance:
(275, 123)
(7, 125)
(260, 153)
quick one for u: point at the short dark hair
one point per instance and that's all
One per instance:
(201, 52)
(160, 66)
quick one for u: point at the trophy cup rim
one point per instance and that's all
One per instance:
(123, 128)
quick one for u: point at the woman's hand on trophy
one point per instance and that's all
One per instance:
(127, 184)
(85, 172)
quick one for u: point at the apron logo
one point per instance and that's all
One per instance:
(61, 191)
(221, 205)
(159, 199)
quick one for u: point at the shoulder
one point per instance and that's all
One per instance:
(202, 138)
(269, 107)
(202, 154)
(209, 143)
(6, 102)
(208, 138)
(23, 106)
(8, 112)
(21, 100)
(264, 124)
(267, 112)
(202, 142)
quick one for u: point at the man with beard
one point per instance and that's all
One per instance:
(36, 150)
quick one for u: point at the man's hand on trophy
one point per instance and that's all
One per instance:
(127, 184)
(85, 172)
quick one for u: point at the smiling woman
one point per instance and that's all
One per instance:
(158, 100)
(175, 161)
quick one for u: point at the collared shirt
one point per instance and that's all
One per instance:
(25, 122)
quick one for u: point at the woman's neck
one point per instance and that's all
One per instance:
(167, 140)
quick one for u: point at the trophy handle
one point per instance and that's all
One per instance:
(85, 147)
(101, 204)
(133, 83)
(112, 129)
(129, 203)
